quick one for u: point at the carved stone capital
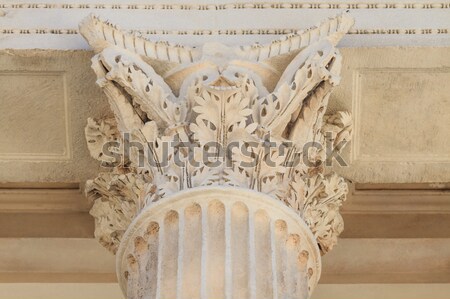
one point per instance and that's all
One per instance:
(224, 151)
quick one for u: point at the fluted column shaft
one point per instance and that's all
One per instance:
(218, 243)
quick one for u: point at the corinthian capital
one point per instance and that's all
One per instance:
(222, 191)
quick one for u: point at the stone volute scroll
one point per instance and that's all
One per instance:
(222, 192)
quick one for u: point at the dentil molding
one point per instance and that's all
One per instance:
(231, 5)
(229, 173)
(379, 23)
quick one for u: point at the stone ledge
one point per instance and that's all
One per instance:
(47, 260)
(323, 291)
(397, 211)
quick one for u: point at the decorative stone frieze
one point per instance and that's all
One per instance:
(222, 189)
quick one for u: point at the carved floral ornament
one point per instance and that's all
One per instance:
(181, 102)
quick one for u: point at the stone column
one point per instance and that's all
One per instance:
(217, 186)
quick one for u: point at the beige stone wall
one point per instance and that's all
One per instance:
(47, 97)
(398, 96)
(400, 106)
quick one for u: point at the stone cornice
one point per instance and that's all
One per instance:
(377, 23)
(243, 5)
(239, 31)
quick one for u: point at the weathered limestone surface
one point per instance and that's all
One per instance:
(400, 104)
(422, 61)
(77, 260)
(84, 99)
(398, 98)
(217, 243)
(46, 97)
(246, 219)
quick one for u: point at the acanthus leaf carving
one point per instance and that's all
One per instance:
(117, 199)
(324, 196)
(260, 104)
(99, 133)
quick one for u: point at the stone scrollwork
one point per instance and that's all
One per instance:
(175, 100)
